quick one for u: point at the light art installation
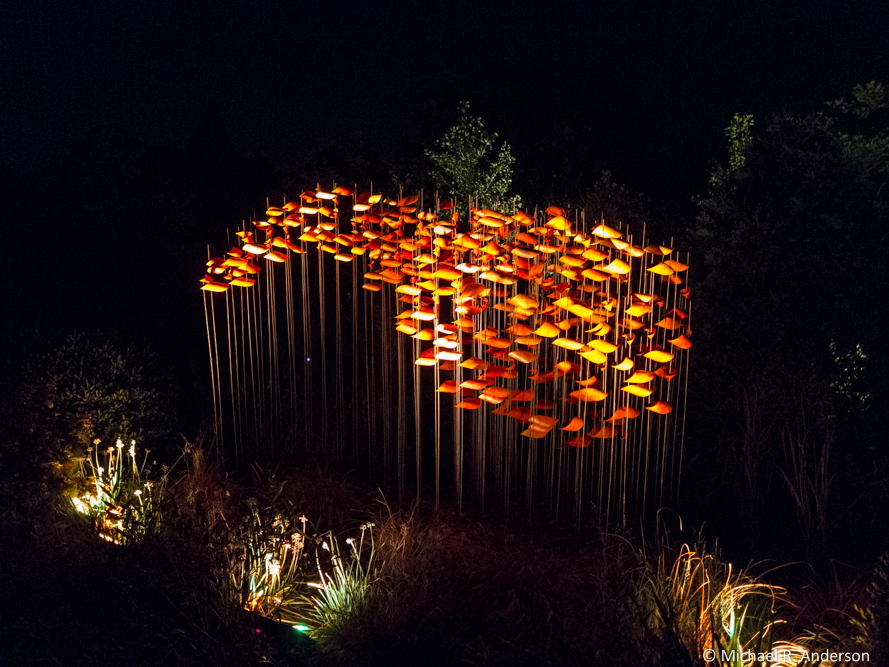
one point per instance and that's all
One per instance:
(546, 358)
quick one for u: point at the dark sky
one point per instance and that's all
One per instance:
(289, 76)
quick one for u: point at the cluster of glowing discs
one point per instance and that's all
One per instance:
(504, 299)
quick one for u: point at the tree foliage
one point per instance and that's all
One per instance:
(792, 231)
(863, 127)
(740, 135)
(792, 236)
(466, 164)
(109, 391)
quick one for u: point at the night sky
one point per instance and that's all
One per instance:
(288, 78)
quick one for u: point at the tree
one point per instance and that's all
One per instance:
(863, 127)
(740, 135)
(793, 233)
(465, 166)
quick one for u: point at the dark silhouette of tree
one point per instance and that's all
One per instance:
(791, 237)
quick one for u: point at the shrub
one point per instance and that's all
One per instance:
(106, 390)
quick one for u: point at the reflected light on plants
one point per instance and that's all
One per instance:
(119, 501)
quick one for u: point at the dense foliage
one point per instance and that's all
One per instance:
(791, 239)
(112, 390)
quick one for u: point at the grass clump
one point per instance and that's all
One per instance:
(346, 582)
(265, 569)
(872, 617)
(114, 493)
(703, 606)
(451, 591)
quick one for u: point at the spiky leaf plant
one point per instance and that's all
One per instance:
(115, 492)
(707, 611)
(265, 561)
(346, 581)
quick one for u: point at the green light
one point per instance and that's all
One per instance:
(302, 628)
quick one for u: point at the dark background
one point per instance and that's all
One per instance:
(644, 86)
(132, 135)
(130, 132)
